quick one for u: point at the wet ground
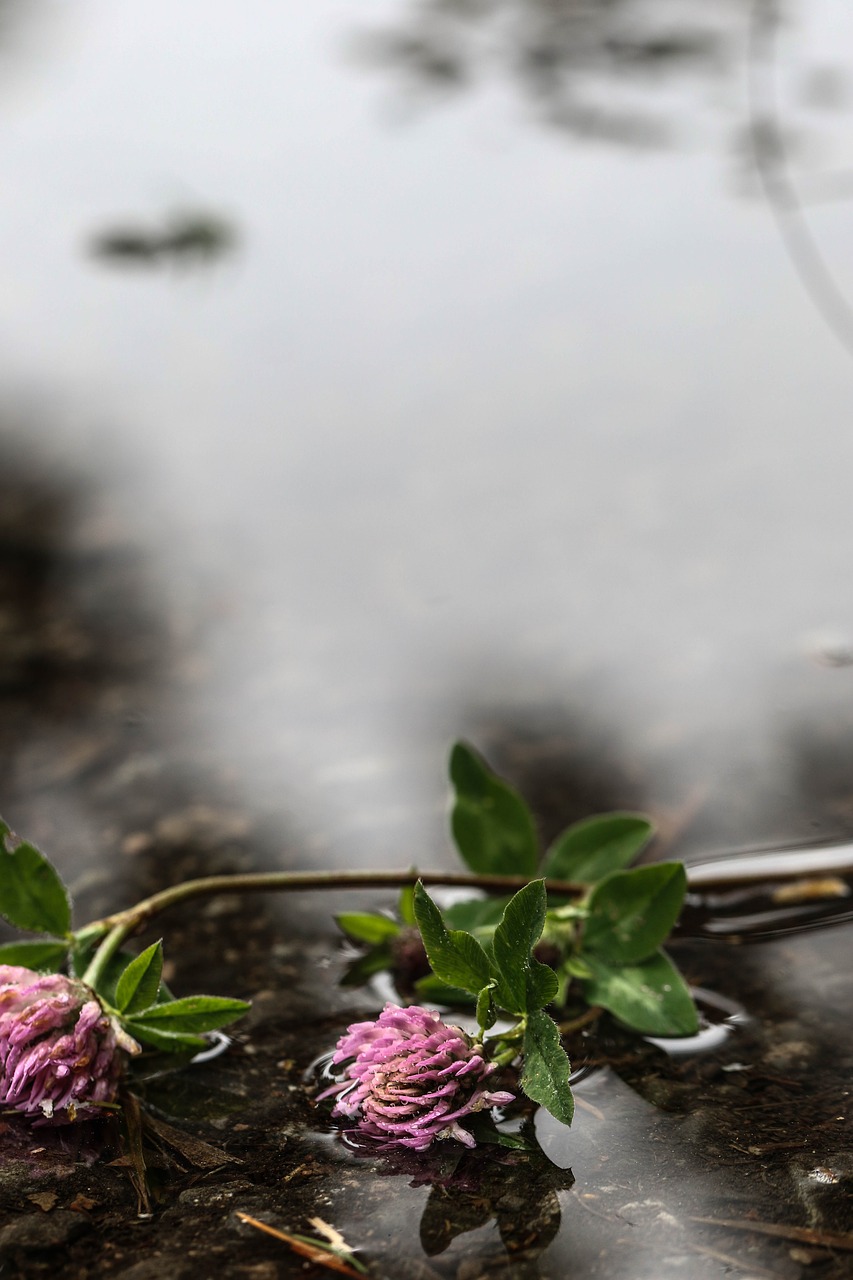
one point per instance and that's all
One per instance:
(359, 395)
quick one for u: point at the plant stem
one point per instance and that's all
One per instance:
(126, 922)
(716, 874)
(105, 952)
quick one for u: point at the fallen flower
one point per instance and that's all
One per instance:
(409, 1079)
(61, 1055)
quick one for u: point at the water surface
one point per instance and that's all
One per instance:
(507, 408)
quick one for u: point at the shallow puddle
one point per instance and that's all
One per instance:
(373, 378)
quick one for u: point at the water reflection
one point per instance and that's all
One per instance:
(511, 1194)
(590, 69)
(185, 238)
(605, 72)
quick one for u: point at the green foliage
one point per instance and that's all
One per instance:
(455, 956)
(492, 826)
(406, 904)
(487, 1014)
(175, 1025)
(41, 957)
(165, 1039)
(512, 981)
(650, 997)
(545, 1077)
(594, 847)
(367, 926)
(476, 913)
(139, 983)
(432, 990)
(523, 983)
(605, 943)
(632, 912)
(363, 968)
(509, 976)
(32, 896)
(192, 1013)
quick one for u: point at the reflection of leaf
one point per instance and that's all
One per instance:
(575, 61)
(448, 1214)
(185, 236)
(516, 1189)
(532, 1234)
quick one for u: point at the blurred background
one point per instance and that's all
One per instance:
(378, 374)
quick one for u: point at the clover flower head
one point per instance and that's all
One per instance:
(61, 1055)
(409, 1078)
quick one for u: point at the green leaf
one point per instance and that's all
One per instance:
(42, 957)
(576, 967)
(139, 983)
(432, 989)
(360, 970)
(191, 1014)
(107, 984)
(593, 848)
(487, 1014)
(542, 985)
(456, 957)
(170, 1041)
(406, 904)
(524, 982)
(651, 997)
(632, 912)
(545, 1076)
(475, 913)
(32, 896)
(492, 826)
(367, 926)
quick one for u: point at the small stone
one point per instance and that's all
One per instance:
(34, 1231)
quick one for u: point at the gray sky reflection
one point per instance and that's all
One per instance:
(483, 425)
